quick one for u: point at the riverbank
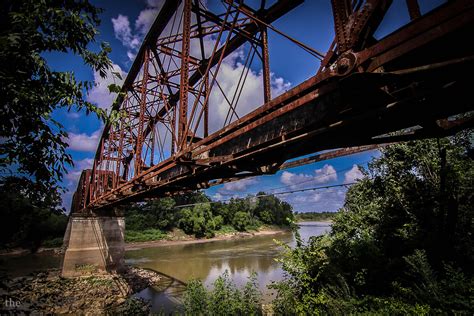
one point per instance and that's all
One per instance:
(325, 221)
(184, 240)
(48, 293)
(176, 237)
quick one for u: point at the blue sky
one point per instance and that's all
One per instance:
(124, 24)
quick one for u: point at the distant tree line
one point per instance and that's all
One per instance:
(314, 216)
(197, 215)
(28, 220)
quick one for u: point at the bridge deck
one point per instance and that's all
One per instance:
(408, 79)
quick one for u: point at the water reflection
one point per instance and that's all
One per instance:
(22, 265)
(180, 263)
(166, 295)
(207, 261)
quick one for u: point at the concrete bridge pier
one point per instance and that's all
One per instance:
(94, 244)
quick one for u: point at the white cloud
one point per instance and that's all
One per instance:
(83, 141)
(252, 92)
(145, 20)
(123, 32)
(100, 94)
(353, 175)
(228, 77)
(326, 174)
(293, 179)
(73, 115)
(218, 197)
(72, 178)
(155, 3)
(326, 200)
(131, 55)
(132, 38)
(239, 185)
(73, 175)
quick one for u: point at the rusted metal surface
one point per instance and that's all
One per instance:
(413, 9)
(329, 155)
(366, 92)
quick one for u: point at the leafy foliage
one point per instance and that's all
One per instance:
(198, 221)
(241, 220)
(402, 244)
(314, 216)
(27, 219)
(272, 210)
(145, 235)
(224, 299)
(196, 214)
(31, 91)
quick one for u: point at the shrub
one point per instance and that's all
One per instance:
(224, 299)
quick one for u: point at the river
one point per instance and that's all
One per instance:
(207, 261)
(180, 263)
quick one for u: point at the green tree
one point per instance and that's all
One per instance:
(224, 298)
(26, 218)
(163, 211)
(198, 220)
(402, 243)
(191, 198)
(241, 220)
(222, 209)
(31, 91)
(271, 210)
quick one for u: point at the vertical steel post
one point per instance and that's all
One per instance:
(413, 9)
(119, 152)
(184, 80)
(141, 118)
(341, 9)
(267, 94)
(173, 132)
(206, 106)
(152, 150)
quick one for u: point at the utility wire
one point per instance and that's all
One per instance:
(272, 194)
(305, 181)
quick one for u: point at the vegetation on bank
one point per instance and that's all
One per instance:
(29, 221)
(314, 216)
(33, 147)
(224, 298)
(402, 244)
(197, 215)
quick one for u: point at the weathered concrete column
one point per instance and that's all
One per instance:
(94, 244)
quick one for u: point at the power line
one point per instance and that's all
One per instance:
(306, 181)
(272, 194)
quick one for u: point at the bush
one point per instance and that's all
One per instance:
(241, 220)
(52, 243)
(146, 235)
(224, 299)
(402, 244)
(199, 221)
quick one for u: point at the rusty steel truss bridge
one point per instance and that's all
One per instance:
(180, 129)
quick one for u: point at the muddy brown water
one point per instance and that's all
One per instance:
(180, 263)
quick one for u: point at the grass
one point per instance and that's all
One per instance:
(226, 229)
(52, 243)
(144, 235)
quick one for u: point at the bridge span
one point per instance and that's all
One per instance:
(414, 83)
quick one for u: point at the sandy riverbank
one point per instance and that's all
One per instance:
(161, 243)
(192, 240)
(46, 293)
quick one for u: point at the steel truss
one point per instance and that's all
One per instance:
(364, 91)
